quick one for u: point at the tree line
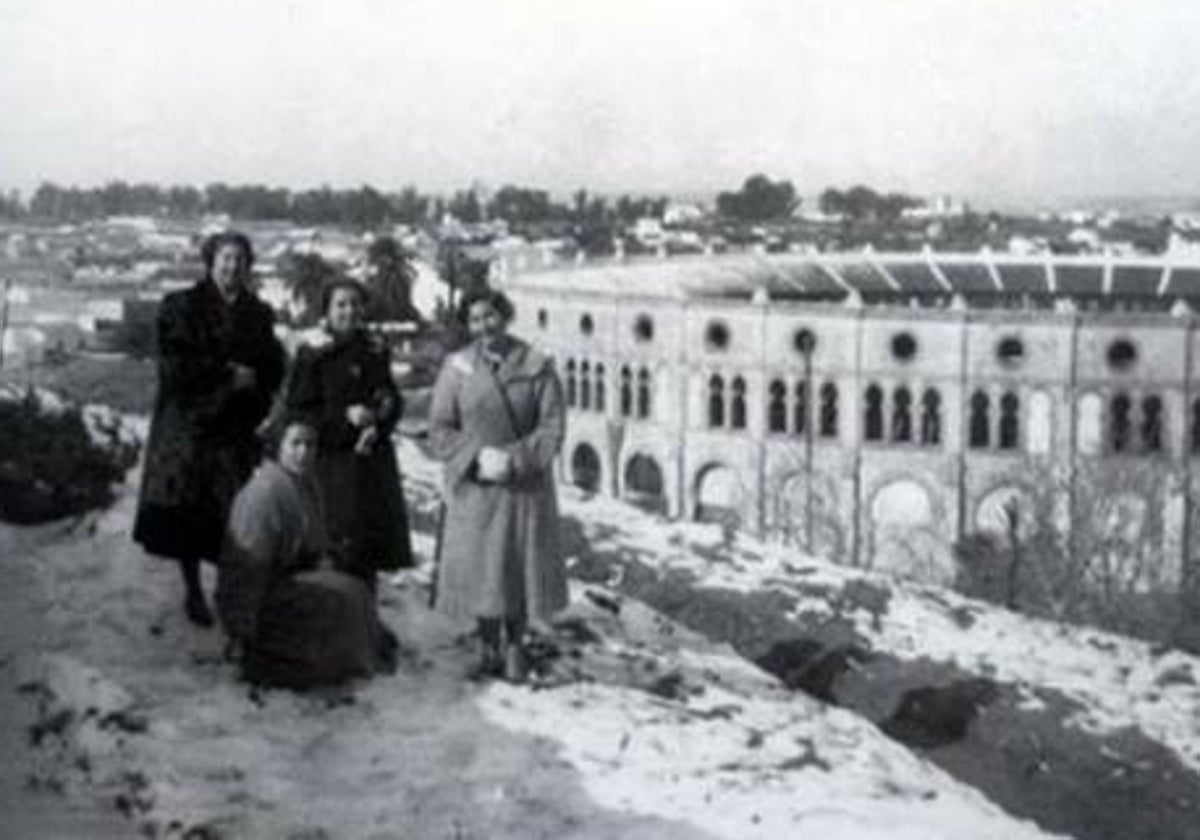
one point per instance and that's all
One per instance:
(861, 203)
(759, 199)
(363, 207)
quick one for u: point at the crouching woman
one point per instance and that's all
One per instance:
(292, 619)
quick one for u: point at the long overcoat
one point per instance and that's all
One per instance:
(499, 553)
(203, 444)
(365, 511)
(301, 625)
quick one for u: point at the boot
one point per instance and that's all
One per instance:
(491, 663)
(516, 662)
(194, 603)
(197, 610)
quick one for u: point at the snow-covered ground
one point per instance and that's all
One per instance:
(1117, 682)
(639, 728)
(712, 742)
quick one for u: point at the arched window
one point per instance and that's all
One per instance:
(1152, 422)
(643, 393)
(585, 385)
(1010, 421)
(800, 408)
(1196, 426)
(874, 416)
(1089, 430)
(585, 468)
(643, 483)
(931, 418)
(901, 415)
(1038, 431)
(777, 406)
(626, 391)
(716, 401)
(571, 382)
(1118, 423)
(979, 434)
(737, 408)
(601, 388)
(829, 410)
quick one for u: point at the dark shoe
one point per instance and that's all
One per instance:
(516, 665)
(197, 610)
(389, 650)
(489, 667)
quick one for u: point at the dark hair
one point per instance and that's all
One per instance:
(498, 300)
(210, 246)
(277, 426)
(343, 283)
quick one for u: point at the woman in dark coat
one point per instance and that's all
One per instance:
(293, 621)
(219, 365)
(346, 385)
(497, 422)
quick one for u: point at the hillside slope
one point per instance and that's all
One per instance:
(638, 727)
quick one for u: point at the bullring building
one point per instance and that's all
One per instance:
(878, 408)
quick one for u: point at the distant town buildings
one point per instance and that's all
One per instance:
(938, 207)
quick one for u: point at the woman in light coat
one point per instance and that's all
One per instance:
(497, 423)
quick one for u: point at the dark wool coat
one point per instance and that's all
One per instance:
(301, 625)
(202, 444)
(365, 510)
(499, 552)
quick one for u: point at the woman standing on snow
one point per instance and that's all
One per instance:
(346, 385)
(219, 366)
(497, 423)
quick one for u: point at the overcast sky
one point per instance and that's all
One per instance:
(977, 97)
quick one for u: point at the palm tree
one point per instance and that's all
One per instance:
(306, 276)
(390, 278)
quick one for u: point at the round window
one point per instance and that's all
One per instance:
(1121, 354)
(804, 341)
(904, 346)
(1010, 351)
(643, 328)
(716, 336)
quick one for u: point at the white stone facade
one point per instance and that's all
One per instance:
(922, 419)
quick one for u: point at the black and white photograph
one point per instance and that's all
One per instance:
(579, 420)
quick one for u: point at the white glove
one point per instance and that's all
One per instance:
(494, 465)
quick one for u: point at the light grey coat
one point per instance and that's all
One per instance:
(499, 553)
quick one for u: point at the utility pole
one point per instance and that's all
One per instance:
(4, 319)
(806, 347)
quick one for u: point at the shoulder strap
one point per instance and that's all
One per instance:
(508, 406)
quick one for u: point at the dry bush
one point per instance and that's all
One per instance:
(51, 466)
